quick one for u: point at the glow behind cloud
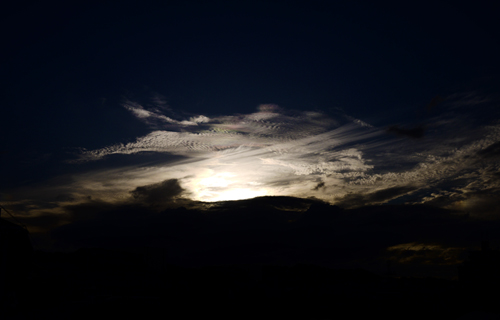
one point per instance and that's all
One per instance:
(279, 152)
(244, 156)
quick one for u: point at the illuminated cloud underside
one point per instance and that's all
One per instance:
(268, 152)
(278, 152)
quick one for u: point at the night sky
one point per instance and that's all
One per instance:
(109, 107)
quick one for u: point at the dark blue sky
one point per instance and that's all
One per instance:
(69, 62)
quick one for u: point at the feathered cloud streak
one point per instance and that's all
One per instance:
(275, 151)
(272, 151)
(343, 160)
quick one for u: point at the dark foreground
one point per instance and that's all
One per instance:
(97, 282)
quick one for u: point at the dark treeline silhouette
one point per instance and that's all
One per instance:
(248, 259)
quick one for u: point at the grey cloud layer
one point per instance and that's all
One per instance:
(355, 163)
(266, 128)
(272, 141)
(275, 151)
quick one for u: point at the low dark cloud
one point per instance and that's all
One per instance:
(415, 133)
(270, 229)
(158, 193)
(134, 224)
(325, 235)
(380, 196)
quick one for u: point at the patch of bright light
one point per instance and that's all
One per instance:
(226, 187)
(237, 194)
(220, 180)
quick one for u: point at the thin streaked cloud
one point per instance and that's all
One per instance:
(275, 151)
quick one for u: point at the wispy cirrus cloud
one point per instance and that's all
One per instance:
(282, 152)
(251, 153)
(155, 116)
(275, 151)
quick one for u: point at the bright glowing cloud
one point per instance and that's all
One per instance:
(278, 152)
(244, 156)
(274, 151)
(224, 186)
